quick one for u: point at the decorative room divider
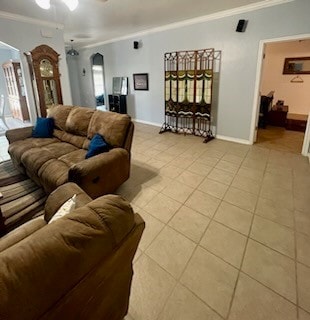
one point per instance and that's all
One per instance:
(188, 91)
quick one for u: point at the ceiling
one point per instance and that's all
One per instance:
(101, 20)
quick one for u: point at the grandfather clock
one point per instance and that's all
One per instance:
(43, 60)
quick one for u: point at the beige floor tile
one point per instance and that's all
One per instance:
(199, 168)
(224, 243)
(190, 179)
(213, 188)
(303, 315)
(158, 182)
(207, 160)
(190, 223)
(253, 174)
(156, 164)
(273, 211)
(171, 250)
(152, 229)
(162, 207)
(211, 279)
(303, 279)
(256, 164)
(279, 195)
(275, 168)
(275, 180)
(233, 158)
(227, 166)
(215, 153)
(274, 235)
(137, 255)
(164, 156)
(144, 196)
(182, 162)
(128, 317)
(178, 191)
(270, 268)
(170, 171)
(301, 203)
(150, 289)
(203, 203)
(240, 198)
(183, 305)
(303, 248)
(221, 176)
(302, 221)
(234, 217)
(254, 301)
(246, 184)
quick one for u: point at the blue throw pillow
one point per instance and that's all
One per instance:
(97, 145)
(44, 128)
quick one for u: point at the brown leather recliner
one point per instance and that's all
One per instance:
(78, 267)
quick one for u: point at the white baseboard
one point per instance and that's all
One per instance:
(243, 141)
(148, 122)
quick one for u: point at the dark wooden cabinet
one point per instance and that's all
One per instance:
(277, 117)
(16, 90)
(118, 103)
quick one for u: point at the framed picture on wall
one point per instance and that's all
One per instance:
(141, 81)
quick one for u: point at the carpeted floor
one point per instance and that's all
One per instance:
(21, 198)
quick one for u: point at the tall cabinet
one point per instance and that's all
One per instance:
(16, 90)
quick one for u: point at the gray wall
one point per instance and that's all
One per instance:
(25, 36)
(238, 68)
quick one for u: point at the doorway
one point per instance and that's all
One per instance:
(98, 81)
(14, 112)
(281, 101)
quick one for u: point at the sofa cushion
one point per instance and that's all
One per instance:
(64, 136)
(78, 120)
(73, 157)
(111, 125)
(52, 174)
(97, 145)
(60, 114)
(44, 128)
(17, 148)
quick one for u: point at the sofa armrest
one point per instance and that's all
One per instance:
(102, 174)
(45, 267)
(18, 134)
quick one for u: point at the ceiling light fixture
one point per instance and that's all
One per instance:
(72, 52)
(44, 4)
(71, 4)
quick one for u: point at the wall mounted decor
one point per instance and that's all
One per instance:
(188, 91)
(141, 81)
(299, 65)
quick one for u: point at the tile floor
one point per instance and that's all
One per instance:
(227, 230)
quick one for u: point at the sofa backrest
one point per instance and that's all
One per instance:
(112, 126)
(84, 122)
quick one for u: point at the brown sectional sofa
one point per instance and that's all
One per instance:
(51, 162)
(78, 267)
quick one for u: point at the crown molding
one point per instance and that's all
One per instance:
(214, 16)
(20, 18)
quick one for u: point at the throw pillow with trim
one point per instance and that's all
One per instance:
(66, 208)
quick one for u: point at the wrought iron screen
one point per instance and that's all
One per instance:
(188, 91)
